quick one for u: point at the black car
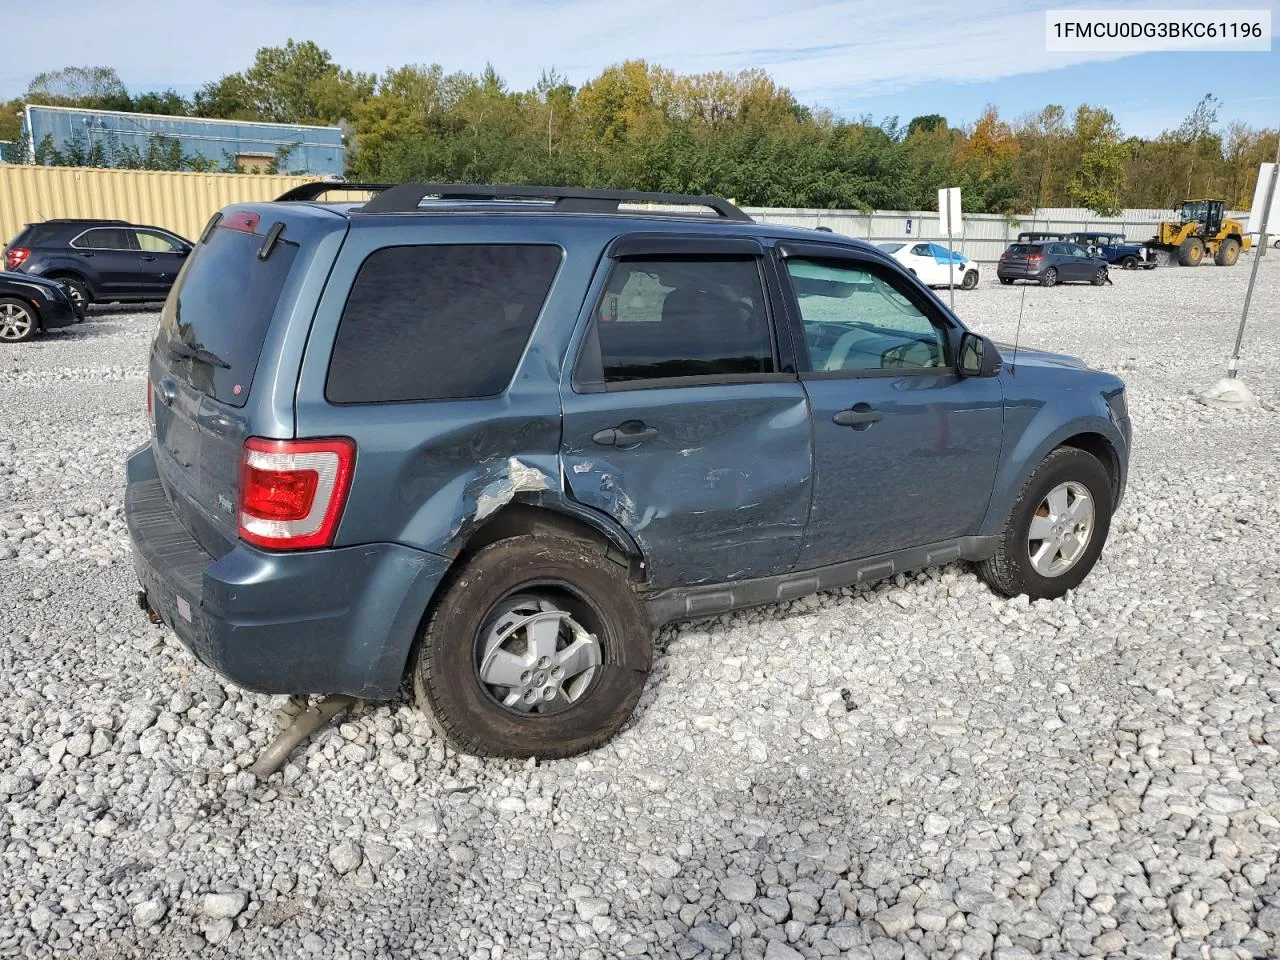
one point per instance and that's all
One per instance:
(1051, 263)
(100, 261)
(29, 305)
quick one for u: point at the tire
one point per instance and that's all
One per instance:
(18, 320)
(1191, 252)
(1228, 253)
(1129, 263)
(1007, 281)
(1011, 571)
(970, 280)
(1100, 277)
(512, 582)
(1049, 277)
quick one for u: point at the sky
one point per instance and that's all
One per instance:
(853, 57)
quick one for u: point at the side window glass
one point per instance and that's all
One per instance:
(155, 242)
(104, 239)
(683, 318)
(856, 318)
(921, 250)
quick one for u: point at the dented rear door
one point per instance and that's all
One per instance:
(682, 420)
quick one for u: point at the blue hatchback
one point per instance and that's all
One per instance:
(490, 438)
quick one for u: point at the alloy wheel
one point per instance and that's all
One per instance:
(1061, 529)
(15, 322)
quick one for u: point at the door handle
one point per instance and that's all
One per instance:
(625, 435)
(86, 255)
(860, 416)
(148, 258)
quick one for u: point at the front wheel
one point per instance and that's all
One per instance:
(1049, 277)
(1056, 529)
(539, 647)
(1129, 263)
(1228, 253)
(18, 321)
(1100, 277)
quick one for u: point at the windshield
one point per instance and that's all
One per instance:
(216, 319)
(1197, 210)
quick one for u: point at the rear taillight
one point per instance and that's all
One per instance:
(1032, 258)
(15, 257)
(292, 491)
(150, 391)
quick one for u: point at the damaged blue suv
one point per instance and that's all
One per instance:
(490, 438)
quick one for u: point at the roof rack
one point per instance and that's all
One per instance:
(80, 220)
(318, 188)
(406, 198)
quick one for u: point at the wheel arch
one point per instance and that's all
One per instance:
(1096, 435)
(556, 517)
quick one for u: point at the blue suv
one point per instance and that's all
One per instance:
(490, 438)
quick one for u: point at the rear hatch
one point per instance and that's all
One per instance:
(1022, 256)
(204, 363)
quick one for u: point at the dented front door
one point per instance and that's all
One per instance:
(712, 481)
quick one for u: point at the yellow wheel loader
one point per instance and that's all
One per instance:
(1204, 230)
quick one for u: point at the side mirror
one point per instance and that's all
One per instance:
(978, 356)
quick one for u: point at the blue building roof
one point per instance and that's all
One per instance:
(310, 149)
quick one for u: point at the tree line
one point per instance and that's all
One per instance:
(643, 127)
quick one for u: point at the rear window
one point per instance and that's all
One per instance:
(220, 310)
(1022, 249)
(37, 235)
(438, 322)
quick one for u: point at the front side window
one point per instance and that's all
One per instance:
(921, 250)
(103, 239)
(153, 242)
(856, 318)
(660, 319)
(438, 322)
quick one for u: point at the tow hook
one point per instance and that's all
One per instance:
(147, 608)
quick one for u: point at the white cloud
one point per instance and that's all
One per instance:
(828, 51)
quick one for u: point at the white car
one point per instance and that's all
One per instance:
(928, 261)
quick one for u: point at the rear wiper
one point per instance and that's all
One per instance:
(177, 348)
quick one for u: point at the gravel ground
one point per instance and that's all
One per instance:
(914, 770)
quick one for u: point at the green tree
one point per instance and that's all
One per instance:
(1099, 180)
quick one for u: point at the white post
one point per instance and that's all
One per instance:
(1234, 363)
(951, 269)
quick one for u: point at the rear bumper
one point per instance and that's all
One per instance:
(313, 622)
(1018, 272)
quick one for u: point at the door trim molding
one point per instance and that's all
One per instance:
(705, 600)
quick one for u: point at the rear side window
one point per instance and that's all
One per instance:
(438, 322)
(216, 319)
(683, 318)
(37, 235)
(104, 238)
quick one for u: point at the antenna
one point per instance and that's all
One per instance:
(1017, 336)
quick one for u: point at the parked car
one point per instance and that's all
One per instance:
(30, 305)
(1115, 249)
(930, 262)
(493, 437)
(1051, 263)
(100, 261)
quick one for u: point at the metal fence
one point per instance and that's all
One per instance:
(986, 235)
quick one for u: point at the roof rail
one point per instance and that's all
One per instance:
(318, 188)
(406, 198)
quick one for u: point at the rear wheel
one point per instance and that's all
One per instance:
(1228, 253)
(1049, 277)
(18, 321)
(1007, 281)
(1056, 529)
(970, 280)
(78, 290)
(539, 647)
(1191, 252)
